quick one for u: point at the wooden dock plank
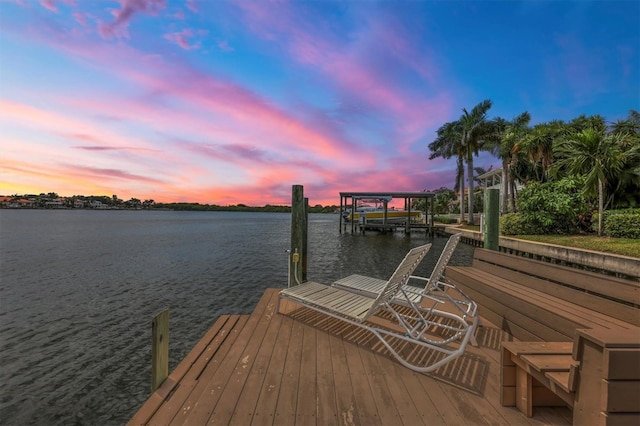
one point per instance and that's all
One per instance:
(387, 409)
(285, 412)
(193, 363)
(252, 354)
(306, 368)
(344, 394)
(367, 409)
(411, 390)
(209, 359)
(268, 397)
(399, 396)
(325, 382)
(306, 406)
(245, 406)
(201, 403)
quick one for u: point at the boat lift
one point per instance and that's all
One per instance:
(350, 200)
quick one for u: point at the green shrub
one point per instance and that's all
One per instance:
(609, 213)
(622, 225)
(445, 220)
(516, 224)
(556, 207)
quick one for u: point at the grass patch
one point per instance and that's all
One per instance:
(622, 246)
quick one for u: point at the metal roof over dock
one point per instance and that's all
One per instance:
(405, 194)
(349, 200)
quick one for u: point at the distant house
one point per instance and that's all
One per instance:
(494, 179)
(95, 204)
(16, 203)
(24, 203)
(56, 203)
(78, 204)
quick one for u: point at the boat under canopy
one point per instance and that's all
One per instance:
(356, 207)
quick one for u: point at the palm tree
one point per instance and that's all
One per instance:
(475, 130)
(629, 126)
(595, 122)
(538, 146)
(627, 188)
(447, 145)
(511, 139)
(597, 156)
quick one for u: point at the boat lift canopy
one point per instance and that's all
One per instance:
(379, 197)
(349, 200)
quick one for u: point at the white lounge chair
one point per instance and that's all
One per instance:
(370, 286)
(359, 310)
(436, 299)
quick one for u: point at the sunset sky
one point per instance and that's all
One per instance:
(227, 102)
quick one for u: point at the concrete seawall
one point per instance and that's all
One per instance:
(626, 266)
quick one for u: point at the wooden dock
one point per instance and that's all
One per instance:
(307, 369)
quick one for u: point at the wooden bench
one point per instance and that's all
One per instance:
(578, 335)
(537, 373)
(541, 301)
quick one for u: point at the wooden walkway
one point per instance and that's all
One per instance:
(306, 369)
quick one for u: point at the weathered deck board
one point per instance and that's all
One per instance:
(306, 368)
(268, 394)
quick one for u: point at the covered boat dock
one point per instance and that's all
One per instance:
(349, 200)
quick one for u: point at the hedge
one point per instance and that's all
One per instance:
(622, 223)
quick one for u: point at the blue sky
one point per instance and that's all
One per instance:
(228, 102)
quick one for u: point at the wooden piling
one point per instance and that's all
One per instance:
(297, 259)
(159, 349)
(305, 234)
(491, 218)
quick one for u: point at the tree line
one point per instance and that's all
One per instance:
(43, 200)
(604, 156)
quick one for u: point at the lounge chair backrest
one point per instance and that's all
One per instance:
(445, 256)
(400, 276)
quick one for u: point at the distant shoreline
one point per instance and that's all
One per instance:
(201, 208)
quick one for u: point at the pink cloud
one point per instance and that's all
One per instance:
(347, 64)
(224, 46)
(178, 15)
(181, 38)
(51, 4)
(81, 18)
(122, 16)
(106, 142)
(232, 125)
(100, 173)
(241, 107)
(191, 5)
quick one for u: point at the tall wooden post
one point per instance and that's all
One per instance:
(432, 211)
(353, 214)
(297, 258)
(305, 243)
(491, 218)
(407, 207)
(340, 218)
(159, 349)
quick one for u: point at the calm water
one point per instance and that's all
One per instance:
(78, 291)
